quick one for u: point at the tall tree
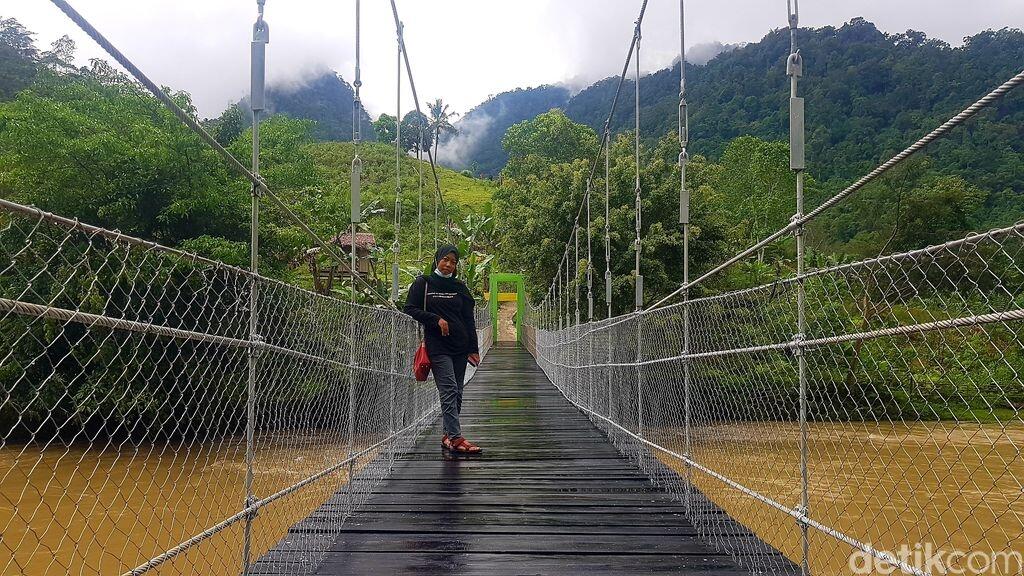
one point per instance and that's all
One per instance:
(412, 123)
(19, 58)
(440, 119)
(385, 128)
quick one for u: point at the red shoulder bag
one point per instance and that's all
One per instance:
(421, 362)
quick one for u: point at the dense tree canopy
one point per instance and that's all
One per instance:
(868, 94)
(19, 58)
(544, 183)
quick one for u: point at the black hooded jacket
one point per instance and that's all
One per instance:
(447, 298)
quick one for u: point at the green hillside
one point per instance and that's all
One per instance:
(463, 193)
(868, 95)
(90, 143)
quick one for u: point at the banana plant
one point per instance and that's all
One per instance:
(472, 239)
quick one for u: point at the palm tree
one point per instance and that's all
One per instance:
(440, 119)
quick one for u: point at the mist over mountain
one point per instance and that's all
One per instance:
(325, 99)
(477, 145)
(868, 95)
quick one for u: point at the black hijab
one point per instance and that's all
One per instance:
(441, 283)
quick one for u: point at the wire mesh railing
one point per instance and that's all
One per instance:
(863, 418)
(124, 367)
(914, 409)
(484, 330)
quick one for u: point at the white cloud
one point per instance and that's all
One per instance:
(461, 50)
(455, 150)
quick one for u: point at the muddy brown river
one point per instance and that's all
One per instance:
(934, 488)
(73, 511)
(956, 488)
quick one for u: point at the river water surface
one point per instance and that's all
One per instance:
(940, 487)
(78, 511)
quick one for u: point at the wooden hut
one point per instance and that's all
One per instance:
(325, 270)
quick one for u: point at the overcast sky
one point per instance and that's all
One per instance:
(461, 50)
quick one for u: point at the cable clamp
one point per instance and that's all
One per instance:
(250, 503)
(796, 344)
(799, 229)
(260, 29)
(801, 515)
(795, 65)
(256, 344)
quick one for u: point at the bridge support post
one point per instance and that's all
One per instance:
(356, 213)
(260, 39)
(392, 401)
(794, 69)
(684, 220)
(639, 379)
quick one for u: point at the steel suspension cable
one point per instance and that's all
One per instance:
(203, 134)
(419, 110)
(607, 134)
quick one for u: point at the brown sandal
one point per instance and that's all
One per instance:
(462, 446)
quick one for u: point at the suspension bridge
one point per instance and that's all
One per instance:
(215, 420)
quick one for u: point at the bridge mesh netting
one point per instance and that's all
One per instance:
(914, 399)
(163, 412)
(124, 367)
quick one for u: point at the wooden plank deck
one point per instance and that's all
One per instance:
(550, 495)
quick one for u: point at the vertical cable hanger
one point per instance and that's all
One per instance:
(356, 212)
(684, 220)
(575, 272)
(607, 221)
(639, 208)
(590, 262)
(396, 247)
(419, 173)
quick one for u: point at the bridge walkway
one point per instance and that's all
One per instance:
(550, 495)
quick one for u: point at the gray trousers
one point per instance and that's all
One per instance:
(450, 378)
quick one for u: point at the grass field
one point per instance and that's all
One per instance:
(335, 158)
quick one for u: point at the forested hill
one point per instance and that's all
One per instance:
(327, 100)
(477, 145)
(867, 93)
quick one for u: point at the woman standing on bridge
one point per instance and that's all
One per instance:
(444, 305)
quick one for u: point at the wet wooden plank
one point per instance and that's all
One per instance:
(475, 564)
(550, 495)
